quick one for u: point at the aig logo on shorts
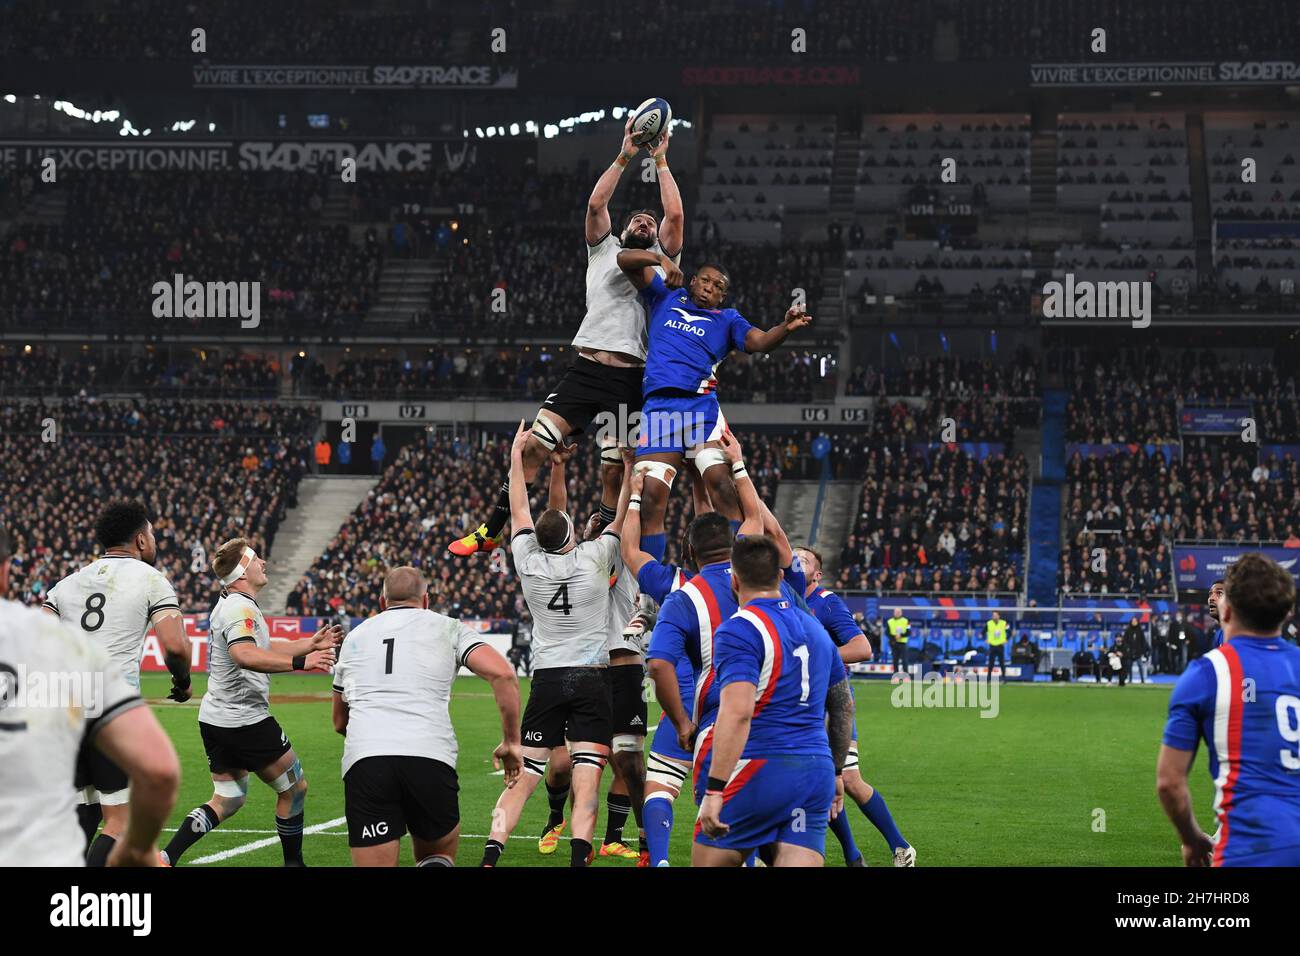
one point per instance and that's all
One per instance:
(375, 830)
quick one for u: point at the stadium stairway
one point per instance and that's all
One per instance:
(1045, 502)
(324, 504)
(796, 507)
(404, 289)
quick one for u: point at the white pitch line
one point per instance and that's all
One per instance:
(259, 844)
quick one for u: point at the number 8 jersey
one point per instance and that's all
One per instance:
(568, 595)
(112, 600)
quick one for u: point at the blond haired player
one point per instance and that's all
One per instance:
(239, 734)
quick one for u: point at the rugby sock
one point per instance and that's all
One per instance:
(580, 850)
(658, 816)
(492, 853)
(97, 855)
(607, 514)
(500, 511)
(618, 806)
(844, 833)
(654, 545)
(89, 815)
(199, 821)
(735, 528)
(878, 813)
(290, 831)
(557, 799)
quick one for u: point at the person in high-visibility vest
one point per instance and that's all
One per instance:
(899, 627)
(996, 631)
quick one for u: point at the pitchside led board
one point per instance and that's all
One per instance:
(1201, 565)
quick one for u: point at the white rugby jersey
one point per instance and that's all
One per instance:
(111, 600)
(569, 597)
(395, 672)
(41, 733)
(236, 697)
(615, 319)
(622, 605)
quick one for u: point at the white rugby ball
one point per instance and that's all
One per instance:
(650, 119)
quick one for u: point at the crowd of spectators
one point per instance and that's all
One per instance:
(955, 377)
(123, 232)
(88, 372)
(937, 521)
(604, 31)
(205, 471)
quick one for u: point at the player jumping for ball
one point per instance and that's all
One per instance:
(604, 380)
(689, 334)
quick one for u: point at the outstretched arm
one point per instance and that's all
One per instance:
(630, 538)
(521, 515)
(597, 223)
(751, 508)
(624, 498)
(672, 229)
(639, 266)
(758, 340)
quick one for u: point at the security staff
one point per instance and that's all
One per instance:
(899, 628)
(996, 632)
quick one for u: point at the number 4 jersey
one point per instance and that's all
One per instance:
(568, 595)
(1244, 699)
(111, 600)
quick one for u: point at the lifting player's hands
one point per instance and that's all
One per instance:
(1200, 852)
(520, 442)
(636, 482)
(511, 757)
(563, 452)
(796, 318)
(327, 638)
(731, 449)
(837, 805)
(710, 818)
(673, 277)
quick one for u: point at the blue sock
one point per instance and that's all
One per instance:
(752, 859)
(844, 833)
(657, 817)
(735, 527)
(654, 545)
(878, 813)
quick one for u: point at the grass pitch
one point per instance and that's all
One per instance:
(1063, 776)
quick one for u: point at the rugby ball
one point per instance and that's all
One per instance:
(650, 119)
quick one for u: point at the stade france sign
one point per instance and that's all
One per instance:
(395, 76)
(1209, 73)
(212, 155)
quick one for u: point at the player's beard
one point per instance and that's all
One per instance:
(149, 557)
(634, 241)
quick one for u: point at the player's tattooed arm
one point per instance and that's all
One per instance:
(1172, 768)
(839, 726)
(673, 228)
(340, 713)
(520, 515)
(760, 340)
(597, 223)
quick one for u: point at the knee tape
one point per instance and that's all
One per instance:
(627, 743)
(236, 789)
(665, 772)
(544, 431)
(287, 779)
(851, 761)
(610, 455)
(117, 798)
(658, 469)
(706, 458)
(436, 860)
(534, 766)
(588, 758)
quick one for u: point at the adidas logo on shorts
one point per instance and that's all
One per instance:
(637, 722)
